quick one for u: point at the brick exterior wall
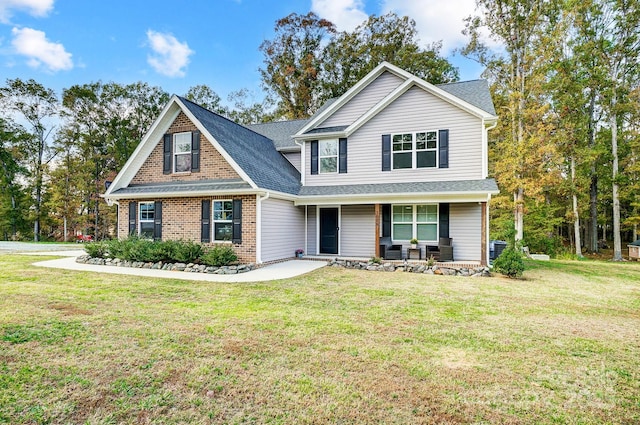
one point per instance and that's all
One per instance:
(212, 164)
(181, 220)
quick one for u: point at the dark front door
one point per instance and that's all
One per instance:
(328, 230)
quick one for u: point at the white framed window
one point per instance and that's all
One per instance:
(402, 148)
(222, 220)
(415, 150)
(146, 217)
(328, 156)
(182, 152)
(415, 221)
(426, 149)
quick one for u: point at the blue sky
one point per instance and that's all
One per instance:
(176, 45)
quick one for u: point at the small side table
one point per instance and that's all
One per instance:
(414, 253)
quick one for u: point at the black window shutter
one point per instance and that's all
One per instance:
(205, 223)
(444, 220)
(386, 152)
(443, 148)
(133, 217)
(342, 155)
(236, 234)
(167, 154)
(386, 220)
(195, 151)
(157, 221)
(314, 157)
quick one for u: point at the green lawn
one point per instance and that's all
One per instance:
(335, 346)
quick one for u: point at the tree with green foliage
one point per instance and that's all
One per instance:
(12, 196)
(349, 56)
(293, 63)
(38, 106)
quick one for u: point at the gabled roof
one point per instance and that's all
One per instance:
(469, 96)
(279, 131)
(250, 154)
(253, 152)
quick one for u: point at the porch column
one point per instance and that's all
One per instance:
(377, 230)
(483, 238)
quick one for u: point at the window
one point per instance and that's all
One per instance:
(182, 152)
(415, 221)
(424, 144)
(147, 216)
(222, 220)
(402, 151)
(328, 155)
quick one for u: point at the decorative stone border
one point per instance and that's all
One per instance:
(438, 269)
(181, 267)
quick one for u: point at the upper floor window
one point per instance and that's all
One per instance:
(328, 155)
(415, 150)
(147, 216)
(182, 152)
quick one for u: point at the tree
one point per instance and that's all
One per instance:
(293, 63)
(519, 26)
(12, 197)
(38, 106)
(204, 96)
(349, 56)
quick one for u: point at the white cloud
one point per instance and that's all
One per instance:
(33, 7)
(40, 52)
(170, 56)
(345, 14)
(436, 19)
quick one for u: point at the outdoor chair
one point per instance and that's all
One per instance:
(442, 252)
(388, 251)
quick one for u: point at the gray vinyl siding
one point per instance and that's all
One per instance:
(294, 159)
(357, 231)
(311, 230)
(415, 110)
(363, 101)
(282, 229)
(465, 227)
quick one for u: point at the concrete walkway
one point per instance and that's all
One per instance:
(277, 271)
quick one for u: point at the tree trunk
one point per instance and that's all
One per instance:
(518, 199)
(593, 189)
(617, 243)
(576, 217)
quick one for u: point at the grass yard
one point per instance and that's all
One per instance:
(334, 346)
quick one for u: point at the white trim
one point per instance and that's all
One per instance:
(351, 93)
(259, 226)
(390, 198)
(414, 222)
(214, 221)
(318, 208)
(336, 156)
(140, 221)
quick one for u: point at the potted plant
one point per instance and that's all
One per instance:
(414, 243)
(299, 253)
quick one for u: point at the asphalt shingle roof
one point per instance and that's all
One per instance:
(279, 132)
(253, 152)
(187, 187)
(475, 92)
(484, 185)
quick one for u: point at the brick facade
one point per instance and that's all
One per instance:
(181, 220)
(212, 164)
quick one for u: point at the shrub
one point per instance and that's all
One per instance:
(219, 255)
(97, 249)
(183, 251)
(509, 263)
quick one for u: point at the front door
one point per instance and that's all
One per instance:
(329, 230)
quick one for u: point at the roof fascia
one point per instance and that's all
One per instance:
(182, 194)
(390, 198)
(144, 148)
(430, 88)
(351, 93)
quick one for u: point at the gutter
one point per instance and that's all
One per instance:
(259, 226)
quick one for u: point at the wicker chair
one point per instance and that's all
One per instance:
(388, 251)
(442, 252)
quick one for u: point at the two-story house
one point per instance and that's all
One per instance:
(394, 157)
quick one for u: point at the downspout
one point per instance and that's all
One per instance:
(259, 226)
(306, 227)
